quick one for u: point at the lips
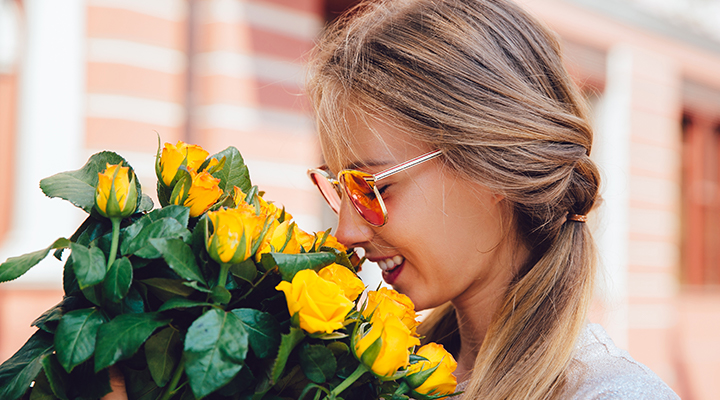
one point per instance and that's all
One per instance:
(389, 264)
(391, 268)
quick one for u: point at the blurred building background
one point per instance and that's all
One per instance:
(80, 76)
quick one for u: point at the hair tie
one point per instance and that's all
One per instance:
(577, 217)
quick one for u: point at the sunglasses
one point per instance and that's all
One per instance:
(361, 188)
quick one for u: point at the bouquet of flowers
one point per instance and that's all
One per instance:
(217, 294)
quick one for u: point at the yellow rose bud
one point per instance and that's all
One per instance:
(320, 304)
(271, 209)
(350, 284)
(236, 232)
(394, 341)
(116, 194)
(277, 237)
(172, 157)
(305, 239)
(202, 193)
(438, 382)
(387, 301)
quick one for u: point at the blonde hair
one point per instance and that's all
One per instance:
(485, 83)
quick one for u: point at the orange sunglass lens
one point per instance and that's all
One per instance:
(363, 198)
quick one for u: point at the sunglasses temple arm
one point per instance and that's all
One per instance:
(407, 164)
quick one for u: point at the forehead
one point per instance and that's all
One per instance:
(368, 141)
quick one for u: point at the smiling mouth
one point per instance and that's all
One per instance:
(389, 264)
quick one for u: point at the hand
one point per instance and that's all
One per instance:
(117, 383)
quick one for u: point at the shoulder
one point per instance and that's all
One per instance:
(604, 371)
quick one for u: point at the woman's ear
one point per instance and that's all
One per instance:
(496, 198)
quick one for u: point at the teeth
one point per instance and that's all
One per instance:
(390, 263)
(382, 265)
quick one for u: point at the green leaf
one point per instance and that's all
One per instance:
(329, 336)
(287, 344)
(132, 303)
(49, 319)
(263, 330)
(89, 265)
(122, 337)
(179, 213)
(318, 362)
(78, 187)
(197, 287)
(341, 257)
(181, 188)
(234, 172)
(146, 203)
(338, 348)
(163, 228)
(188, 394)
(215, 348)
(245, 270)
(163, 351)
(243, 381)
(220, 295)
(140, 384)
(418, 378)
(20, 370)
(56, 376)
(180, 258)
(75, 336)
(91, 229)
(181, 302)
(86, 384)
(15, 267)
(290, 264)
(166, 289)
(41, 389)
(118, 279)
(93, 295)
(70, 284)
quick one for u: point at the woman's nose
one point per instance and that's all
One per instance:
(352, 229)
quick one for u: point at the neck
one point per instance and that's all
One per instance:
(474, 315)
(476, 308)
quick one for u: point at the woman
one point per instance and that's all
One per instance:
(489, 224)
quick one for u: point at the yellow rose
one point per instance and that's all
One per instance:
(320, 304)
(439, 382)
(391, 351)
(236, 231)
(271, 209)
(238, 196)
(202, 193)
(116, 194)
(305, 239)
(350, 284)
(331, 241)
(387, 301)
(172, 157)
(277, 237)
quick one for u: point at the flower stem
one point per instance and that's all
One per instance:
(359, 371)
(115, 240)
(172, 385)
(222, 279)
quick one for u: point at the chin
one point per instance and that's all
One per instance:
(419, 302)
